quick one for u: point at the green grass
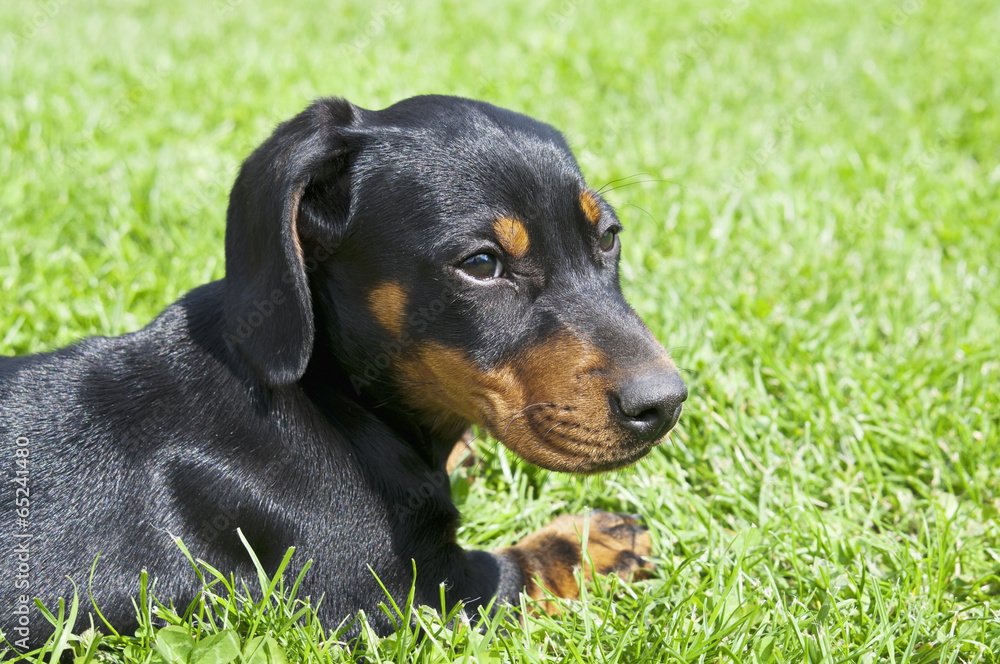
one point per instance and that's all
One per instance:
(819, 245)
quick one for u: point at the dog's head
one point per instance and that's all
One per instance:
(452, 260)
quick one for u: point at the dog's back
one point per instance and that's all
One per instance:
(87, 429)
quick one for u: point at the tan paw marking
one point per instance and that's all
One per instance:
(616, 545)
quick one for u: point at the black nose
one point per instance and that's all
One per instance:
(649, 404)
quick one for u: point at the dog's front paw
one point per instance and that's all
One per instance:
(616, 544)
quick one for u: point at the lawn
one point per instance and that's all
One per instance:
(812, 228)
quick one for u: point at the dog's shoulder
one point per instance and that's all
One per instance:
(180, 334)
(137, 380)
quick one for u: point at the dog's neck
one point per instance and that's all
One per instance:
(325, 381)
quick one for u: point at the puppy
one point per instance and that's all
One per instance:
(391, 277)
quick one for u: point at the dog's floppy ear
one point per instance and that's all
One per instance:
(268, 306)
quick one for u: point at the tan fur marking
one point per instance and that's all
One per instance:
(294, 215)
(548, 558)
(549, 404)
(462, 455)
(591, 210)
(388, 304)
(512, 236)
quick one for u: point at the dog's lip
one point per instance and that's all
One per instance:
(662, 439)
(626, 452)
(587, 458)
(631, 454)
(620, 462)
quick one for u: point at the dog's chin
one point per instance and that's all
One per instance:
(592, 462)
(618, 463)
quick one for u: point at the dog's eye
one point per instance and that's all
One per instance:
(482, 266)
(608, 239)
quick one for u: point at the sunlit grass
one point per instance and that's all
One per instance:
(814, 232)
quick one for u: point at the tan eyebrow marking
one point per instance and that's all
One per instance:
(388, 304)
(591, 210)
(512, 236)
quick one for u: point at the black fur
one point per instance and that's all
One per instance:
(266, 401)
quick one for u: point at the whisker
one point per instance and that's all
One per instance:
(641, 209)
(521, 412)
(627, 177)
(554, 426)
(606, 189)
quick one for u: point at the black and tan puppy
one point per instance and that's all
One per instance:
(391, 276)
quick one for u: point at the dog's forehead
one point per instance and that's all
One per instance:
(470, 159)
(455, 115)
(470, 138)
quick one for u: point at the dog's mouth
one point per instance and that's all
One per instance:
(563, 438)
(554, 407)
